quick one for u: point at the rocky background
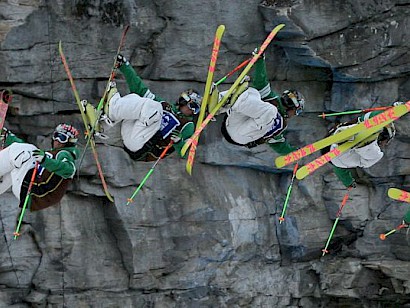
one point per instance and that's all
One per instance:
(212, 239)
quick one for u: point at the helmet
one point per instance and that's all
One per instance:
(387, 133)
(293, 99)
(65, 133)
(190, 98)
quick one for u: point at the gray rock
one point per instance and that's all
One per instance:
(212, 239)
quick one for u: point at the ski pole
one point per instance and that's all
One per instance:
(26, 200)
(129, 200)
(324, 115)
(384, 235)
(338, 214)
(282, 218)
(232, 72)
(101, 103)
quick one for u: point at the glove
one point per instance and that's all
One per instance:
(255, 51)
(121, 60)
(398, 103)
(39, 155)
(353, 185)
(176, 136)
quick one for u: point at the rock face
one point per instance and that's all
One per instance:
(212, 239)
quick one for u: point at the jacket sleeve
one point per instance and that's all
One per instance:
(344, 175)
(260, 80)
(186, 132)
(368, 115)
(11, 138)
(282, 148)
(62, 165)
(136, 84)
(406, 217)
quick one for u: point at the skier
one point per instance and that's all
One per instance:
(257, 115)
(56, 167)
(364, 155)
(148, 123)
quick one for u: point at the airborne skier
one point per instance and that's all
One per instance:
(364, 155)
(257, 115)
(56, 167)
(148, 123)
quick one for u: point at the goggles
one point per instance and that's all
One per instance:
(299, 111)
(60, 137)
(292, 101)
(186, 100)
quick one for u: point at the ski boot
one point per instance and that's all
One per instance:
(242, 87)
(92, 119)
(112, 90)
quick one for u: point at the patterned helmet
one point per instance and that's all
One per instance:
(293, 99)
(65, 133)
(190, 98)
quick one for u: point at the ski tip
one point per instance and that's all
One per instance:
(278, 27)
(109, 197)
(221, 28)
(279, 162)
(301, 173)
(189, 169)
(391, 192)
(382, 236)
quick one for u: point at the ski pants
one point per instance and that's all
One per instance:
(363, 157)
(140, 116)
(15, 161)
(250, 118)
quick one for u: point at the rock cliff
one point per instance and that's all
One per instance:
(212, 239)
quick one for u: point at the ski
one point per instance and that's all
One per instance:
(103, 98)
(374, 124)
(207, 93)
(378, 121)
(85, 121)
(231, 90)
(398, 194)
(5, 100)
